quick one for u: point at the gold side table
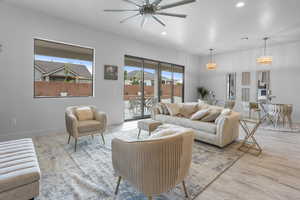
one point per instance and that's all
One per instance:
(249, 142)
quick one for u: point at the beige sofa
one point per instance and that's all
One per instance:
(220, 133)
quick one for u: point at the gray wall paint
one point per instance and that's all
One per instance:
(285, 73)
(36, 116)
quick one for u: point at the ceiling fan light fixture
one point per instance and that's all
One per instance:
(151, 10)
(164, 33)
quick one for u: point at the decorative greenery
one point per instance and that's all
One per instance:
(135, 81)
(203, 92)
(67, 72)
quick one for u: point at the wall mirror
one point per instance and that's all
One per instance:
(231, 86)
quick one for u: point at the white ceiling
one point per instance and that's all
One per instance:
(210, 23)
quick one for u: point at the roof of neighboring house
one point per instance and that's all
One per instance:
(51, 67)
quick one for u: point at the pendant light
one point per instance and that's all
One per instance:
(265, 60)
(211, 65)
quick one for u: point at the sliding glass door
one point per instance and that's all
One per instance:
(150, 86)
(133, 89)
(166, 83)
(178, 80)
(148, 81)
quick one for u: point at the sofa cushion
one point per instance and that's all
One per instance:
(187, 110)
(188, 123)
(200, 114)
(84, 113)
(212, 115)
(88, 126)
(18, 164)
(199, 125)
(173, 108)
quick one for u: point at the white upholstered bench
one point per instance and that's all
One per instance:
(19, 170)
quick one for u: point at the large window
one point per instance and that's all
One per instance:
(62, 70)
(146, 82)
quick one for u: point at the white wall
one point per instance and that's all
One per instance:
(285, 73)
(18, 27)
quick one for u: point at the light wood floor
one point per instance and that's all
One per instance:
(274, 175)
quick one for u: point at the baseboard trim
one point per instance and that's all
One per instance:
(29, 134)
(34, 133)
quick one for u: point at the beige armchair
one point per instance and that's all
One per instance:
(77, 128)
(154, 166)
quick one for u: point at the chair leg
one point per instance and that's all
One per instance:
(75, 144)
(118, 184)
(93, 136)
(103, 138)
(139, 133)
(185, 190)
(69, 139)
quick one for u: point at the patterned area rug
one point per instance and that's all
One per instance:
(88, 173)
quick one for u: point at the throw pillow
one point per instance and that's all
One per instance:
(160, 108)
(202, 106)
(84, 113)
(212, 116)
(165, 108)
(173, 108)
(225, 112)
(186, 110)
(162, 133)
(200, 114)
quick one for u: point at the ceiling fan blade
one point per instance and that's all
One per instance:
(171, 14)
(176, 4)
(127, 18)
(120, 10)
(158, 20)
(157, 2)
(132, 2)
(143, 21)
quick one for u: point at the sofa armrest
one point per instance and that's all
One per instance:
(71, 124)
(102, 118)
(228, 129)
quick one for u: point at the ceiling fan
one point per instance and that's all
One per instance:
(148, 9)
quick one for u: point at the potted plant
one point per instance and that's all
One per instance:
(203, 93)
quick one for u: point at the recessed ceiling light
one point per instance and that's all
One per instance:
(240, 4)
(164, 33)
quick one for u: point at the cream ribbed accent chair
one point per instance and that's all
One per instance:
(77, 128)
(154, 166)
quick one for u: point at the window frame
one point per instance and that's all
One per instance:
(70, 44)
